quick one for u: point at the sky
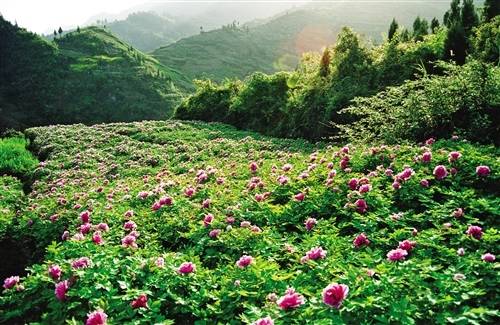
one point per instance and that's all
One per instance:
(43, 16)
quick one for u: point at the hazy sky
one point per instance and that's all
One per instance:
(42, 16)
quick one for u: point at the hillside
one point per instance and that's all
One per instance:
(184, 222)
(277, 43)
(86, 76)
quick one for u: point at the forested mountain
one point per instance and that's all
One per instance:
(86, 76)
(278, 43)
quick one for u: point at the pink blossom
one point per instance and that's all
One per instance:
(85, 216)
(299, 197)
(389, 172)
(440, 172)
(140, 302)
(61, 289)
(129, 214)
(424, 183)
(255, 229)
(426, 156)
(10, 282)
(334, 294)
(245, 224)
(206, 203)
(361, 205)
(454, 156)
(286, 167)
(156, 206)
(208, 219)
(81, 263)
(244, 261)
(65, 235)
(160, 262)
(189, 191)
(290, 300)
(103, 226)
(129, 241)
(407, 245)
(361, 240)
(282, 180)
(396, 185)
(488, 257)
(264, 321)
(397, 254)
(475, 231)
(316, 253)
(97, 238)
(365, 188)
(353, 183)
(55, 272)
(310, 223)
(186, 267)
(85, 228)
(97, 317)
(54, 217)
(430, 141)
(345, 149)
(214, 233)
(142, 195)
(483, 171)
(253, 166)
(460, 251)
(458, 213)
(129, 225)
(329, 165)
(344, 163)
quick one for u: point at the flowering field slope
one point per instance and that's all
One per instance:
(170, 222)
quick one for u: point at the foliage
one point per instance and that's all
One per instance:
(14, 158)
(464, 101)
(486, 40)
(106, 169)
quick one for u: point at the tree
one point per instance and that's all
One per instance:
(491, 8)
(420, 28)
(60, 31)
(392, 29)
(434, 24)
(55, 33)
(405, 35)
(456, 43)
(324, 64)
(453, 14)
(469, 16)
(77, 29)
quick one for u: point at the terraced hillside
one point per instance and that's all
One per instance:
(184, 222)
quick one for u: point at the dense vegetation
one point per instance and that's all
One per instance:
(123, 209)
(277, 43)
(431, 98)
(85, 76)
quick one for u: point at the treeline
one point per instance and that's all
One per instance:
(324, 96)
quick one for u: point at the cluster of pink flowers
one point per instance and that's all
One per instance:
(186, 268)
(81, 263)
(361, 240)
(290, 300)
(164, 201)
(314, 253)
(244, 261)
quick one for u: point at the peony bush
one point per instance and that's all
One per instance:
(170, 222)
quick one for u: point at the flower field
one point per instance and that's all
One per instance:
(195, 223)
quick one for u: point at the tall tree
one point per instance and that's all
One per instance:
(456, 43)
(324, 64)
(469, 16)
(453, 14)
(392, 29)
(420, 28)
(434, 24)
(60, 31)
(491, 8)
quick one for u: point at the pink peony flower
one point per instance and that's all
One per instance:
(396, 185)
(282, 180)
(264, 321)
(454, 156)
(475, 231)
(166, 200)
(334, 294)
(299, 197)
(407, 245)
(189, 192)
(129, 225)
(488, 257)
(460, 251)
(103, 226)
(85, 228)
(208, 219)
(286, 167)
(483, 171)
(186, 267)
(61, 289)
(206, 203)
(253, 167)
(361, 205)
(310, 223)
(361, 240)
(85, 216)
(397, 254)
(156, 206)
(316, 253)
(129, 241)
(97, 317)
(244, 261)
(458, 213)
(10, 282)
(389, 172)
(426, 156)
(140, 302)
(65, 235)
(440, 172)
(290, 300)
(353, 183)
(55, 272)
(430, 141)
(245, 224)
(97, 238)
(424, 183)
(365, 188)
(81, 263)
